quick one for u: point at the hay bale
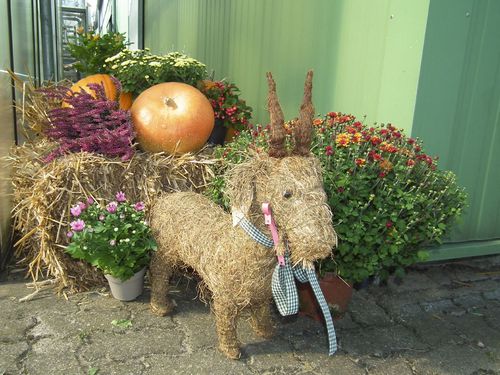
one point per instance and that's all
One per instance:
(44, 193)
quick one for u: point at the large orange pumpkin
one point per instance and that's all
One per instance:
(109, 89)
(172, 117)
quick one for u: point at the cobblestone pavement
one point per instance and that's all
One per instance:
(441, 319)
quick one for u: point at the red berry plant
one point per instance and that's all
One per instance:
(227, 105)
(389, 200)
(89, 123)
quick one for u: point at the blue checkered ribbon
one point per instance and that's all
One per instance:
(284, 288)
(255, 233)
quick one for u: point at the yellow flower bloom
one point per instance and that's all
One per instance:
(343, 139)
(360, 162)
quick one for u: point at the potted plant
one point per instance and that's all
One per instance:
(91, 49)
(231, 112)
(389, 200)
(138, 70)
(114, 238)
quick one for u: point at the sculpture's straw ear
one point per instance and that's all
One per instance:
(303, 130)
(240, 187)
(277, 139)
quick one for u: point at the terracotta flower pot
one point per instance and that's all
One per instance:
(231, 134)
(337, 293)
(127, 290)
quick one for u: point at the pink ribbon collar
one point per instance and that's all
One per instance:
(269, 220)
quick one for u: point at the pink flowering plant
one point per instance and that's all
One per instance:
(114, 238)
(227, 104)
(390, 201)
(90, 123)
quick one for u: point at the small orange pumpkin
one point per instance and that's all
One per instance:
(109, 88)
(172, 117)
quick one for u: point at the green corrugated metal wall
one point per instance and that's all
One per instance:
(366, 54)
(369, 59)
(458, 112)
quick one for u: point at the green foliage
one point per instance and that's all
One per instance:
(91, 50)
(138, 70)
(122, 323)
(227, 104)
(389, 200)
(115, 238)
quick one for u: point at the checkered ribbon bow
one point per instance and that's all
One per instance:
(284, 288)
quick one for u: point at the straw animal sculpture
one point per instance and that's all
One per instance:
(191, 231)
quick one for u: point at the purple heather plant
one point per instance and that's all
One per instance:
(91, 124)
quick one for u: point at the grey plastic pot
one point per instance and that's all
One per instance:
(127, 290)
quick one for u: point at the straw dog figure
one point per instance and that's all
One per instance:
(191, 231)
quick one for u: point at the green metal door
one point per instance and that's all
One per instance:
(457, 113)
(365, 54)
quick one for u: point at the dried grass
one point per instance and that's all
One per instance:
(43, 194)
(34, 104)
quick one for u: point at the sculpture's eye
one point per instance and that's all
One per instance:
(287, 194)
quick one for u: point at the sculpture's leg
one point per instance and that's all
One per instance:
(160, 271)
(226, 318)
(261, 321)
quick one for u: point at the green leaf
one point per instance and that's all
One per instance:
(422, 255)
(122, 323)
(93, 371)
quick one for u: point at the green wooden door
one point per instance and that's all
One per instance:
(457, 113)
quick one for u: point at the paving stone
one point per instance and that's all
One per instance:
(487, 285)
(132, 343)
(435, 294)
(366, 312)
(383, 340)
(459, 334)
(345, 323)
(401, 307)
(457, 312)
(14, 289)
(387, 366)
(54, 365)
(273, 356)
(52, 356)
(16, 327)
(491, 314)
(456, 360)
(439, 306)
(197, 323)
(469, 300)
(10, 353)
(322, 364)
(432, 329)
(105, 366)
(492, 295)
(475, 329)
(438, 275)
(413, 281)
(202, 363)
